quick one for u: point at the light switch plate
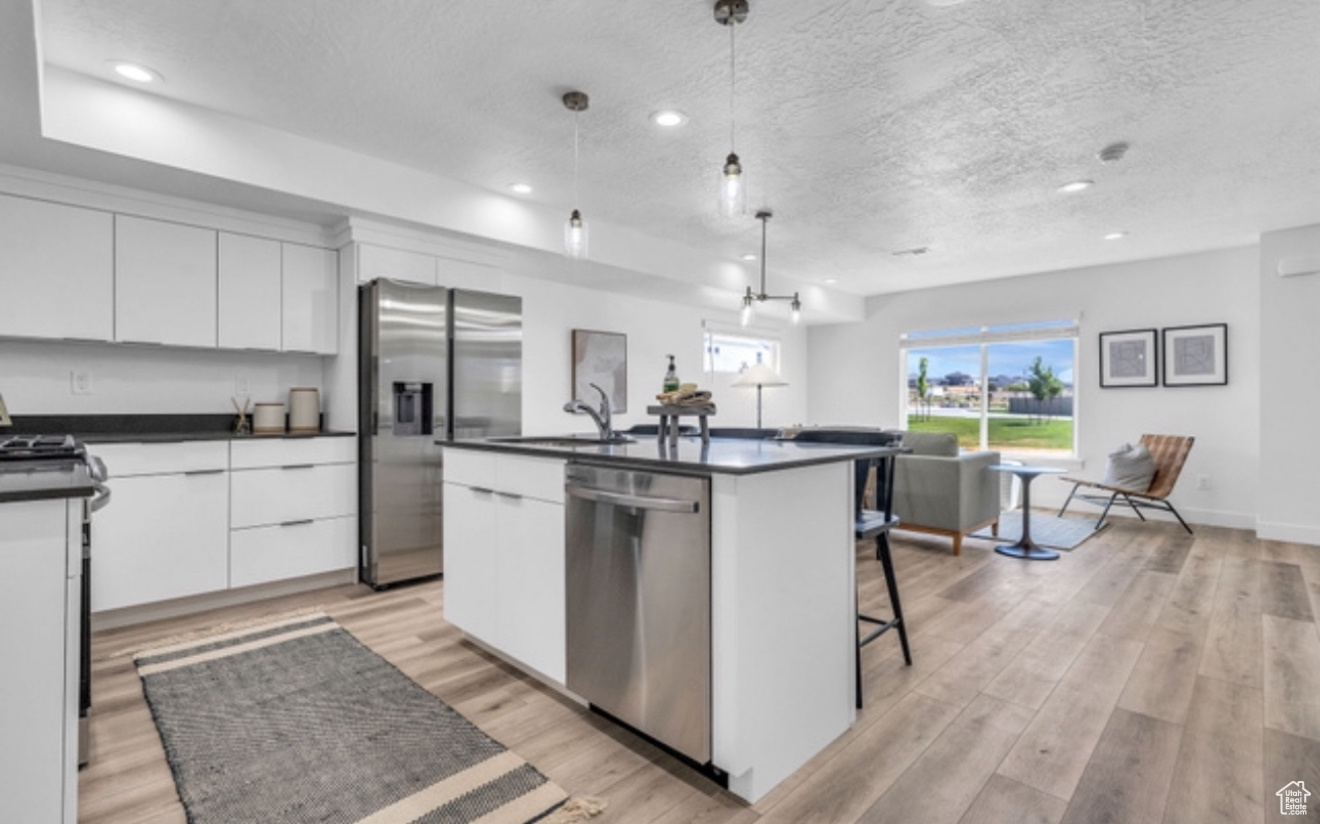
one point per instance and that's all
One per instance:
(80, 382)
(4, 413)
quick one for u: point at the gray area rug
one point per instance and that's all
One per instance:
(1046, 530)
(297, 721)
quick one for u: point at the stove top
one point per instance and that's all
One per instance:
(39, 447)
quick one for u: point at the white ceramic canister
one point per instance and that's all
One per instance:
(267, 418)
(304, 409)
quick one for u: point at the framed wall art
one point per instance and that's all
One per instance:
(1128, 358)
(1196, 355)
(601, 358)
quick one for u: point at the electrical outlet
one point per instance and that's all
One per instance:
(80, 382)
(1202, 481)
(241, 385)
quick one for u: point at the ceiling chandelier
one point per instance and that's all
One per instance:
(750, 299)
(575, 229)
(733, 186)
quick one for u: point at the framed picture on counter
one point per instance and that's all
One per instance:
(1196, 355)
(1128, 358)
(601, 358)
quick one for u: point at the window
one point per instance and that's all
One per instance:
(1007, 388)
(730, 354)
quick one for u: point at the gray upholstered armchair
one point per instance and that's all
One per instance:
(938, 490)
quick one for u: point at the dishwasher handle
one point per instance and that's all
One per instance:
(635, 501)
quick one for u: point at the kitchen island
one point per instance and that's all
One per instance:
(781, 628)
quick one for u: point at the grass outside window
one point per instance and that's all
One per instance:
(1005, 435)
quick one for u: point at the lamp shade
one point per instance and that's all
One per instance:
(760, 375)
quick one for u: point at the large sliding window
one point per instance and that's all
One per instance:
(1008, 388)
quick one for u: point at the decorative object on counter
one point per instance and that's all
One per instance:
(4, 413)
(268, 419)
(238, 740)
(601, 358)
(688, 401)
(671, 382)
(242, 426)
(750, 299)
(1196, 355)
(304, 409)
(759, 376)
(733, 186)
(575, 230)
(1128, 358)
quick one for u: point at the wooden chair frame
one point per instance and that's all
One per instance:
(1170, 454)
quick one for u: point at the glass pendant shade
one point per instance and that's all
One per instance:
(748, 308)
(733, 188)
(575, 235)
(795, 310)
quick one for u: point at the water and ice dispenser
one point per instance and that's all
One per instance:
(413, 408)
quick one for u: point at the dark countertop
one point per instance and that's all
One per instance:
(94, 429)
(732, 456)
(43, 480)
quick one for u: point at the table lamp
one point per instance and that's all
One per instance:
(759, 375)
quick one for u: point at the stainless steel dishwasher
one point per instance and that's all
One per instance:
(638, 591)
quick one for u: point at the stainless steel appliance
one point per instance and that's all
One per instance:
(638, 593)
(434, 364)
(35, 453)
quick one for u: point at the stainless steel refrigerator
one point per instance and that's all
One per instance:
(435, 364)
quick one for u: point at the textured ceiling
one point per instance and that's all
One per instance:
(869, 127)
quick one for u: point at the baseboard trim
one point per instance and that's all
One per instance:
(1292, 533)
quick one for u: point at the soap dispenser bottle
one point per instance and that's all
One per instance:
(671, 377)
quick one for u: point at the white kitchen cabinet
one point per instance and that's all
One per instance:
(56, 266)
(464, 274)
(310, 306)
(504, 554)
(396, 264)
(249, 292)
(166, 534)
(165, 282)
(294, 509)
(40, 543)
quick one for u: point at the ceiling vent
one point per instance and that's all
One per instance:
(913, 252)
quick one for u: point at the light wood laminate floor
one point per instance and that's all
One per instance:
(1146, 676)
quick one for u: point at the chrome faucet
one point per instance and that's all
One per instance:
(604, 419)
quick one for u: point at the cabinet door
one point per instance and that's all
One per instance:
(311, 300)
(249, 292)
(33, 592)
(471, 546)
(165, 282)
(56, 266)
(396, 264)
(295, 493)
(290, 550)
(531, 582)
(162, 536)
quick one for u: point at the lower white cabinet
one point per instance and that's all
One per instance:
(504, 554)
(165, 533)
(40, 552)
(294, 508)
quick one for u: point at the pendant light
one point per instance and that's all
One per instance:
(733, 184)
(750, 298)
(575, 228)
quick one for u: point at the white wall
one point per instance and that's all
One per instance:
(35, 378)
(854, 368)
(1289, 392)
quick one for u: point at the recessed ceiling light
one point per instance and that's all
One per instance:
(669, 118)
(749, 256)
(520, 188)
(1115, 235)
(136, 73)
(1076, 186)
(831, 280)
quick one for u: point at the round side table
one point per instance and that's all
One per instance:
(1025, 547)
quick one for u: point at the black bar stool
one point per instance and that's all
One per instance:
(872, 524)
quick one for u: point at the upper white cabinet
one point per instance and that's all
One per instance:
(249, 292)
(310, 300)
(56, 267)
(396, 264)
(165, 282)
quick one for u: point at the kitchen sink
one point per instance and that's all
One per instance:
(564, 440)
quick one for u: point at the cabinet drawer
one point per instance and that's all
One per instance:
(540, 478)
(470, 468)
(272, 553)
(263, 497)
(124, 460)
(276, 452)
